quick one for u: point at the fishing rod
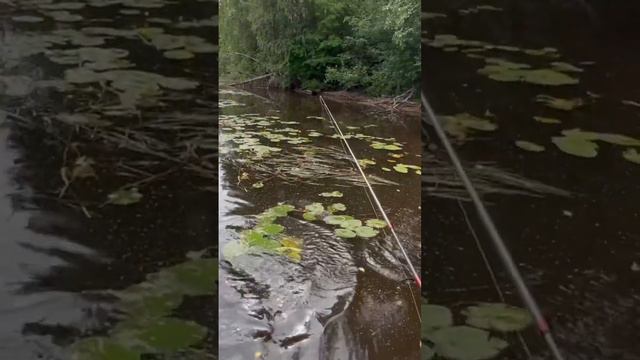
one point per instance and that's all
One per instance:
(373, 194)
(495, 236)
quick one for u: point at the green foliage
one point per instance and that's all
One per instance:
(370, 45)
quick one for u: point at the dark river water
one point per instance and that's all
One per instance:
(107, 180)
(579, 254)
(327, 297)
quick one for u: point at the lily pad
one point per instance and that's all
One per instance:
(434, 317)
(560, 103)
(576, 146)
(337, 219)
(270, 229)
(376, 223)
(401, 169)
(459, 125)
(632, 155)
(529, 146)
(178, 54)
(498, 316)
(257, 185)
(351, 224)
(331, 194)
(345, 233)
(337, 207)
(125, 197)
(466, 343)
(546, 120)
(366, 231)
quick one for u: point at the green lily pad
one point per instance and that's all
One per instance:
(529, 146)
(309, 216)
(376, 223)
(178, 54)
(497, 316)
(459, 125)
(546, 120)
(125, 197)
(401, 168)
(337, 207)
(566, 67)
(345, 233)
(331, 194)
(560, 103)
(632, 155)
(337, 219)
(434, 317)
(366, 231)
(257, 185)
(351, 224)
(576, 146)
(270, 229)
(466, 343)
(101, 348)
(315, 208)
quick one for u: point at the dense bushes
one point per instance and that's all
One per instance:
(370, 45)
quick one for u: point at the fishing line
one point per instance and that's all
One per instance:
(373, 194)
(495, 236)
(342, 144)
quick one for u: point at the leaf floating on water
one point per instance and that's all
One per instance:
(366, 231)
(365, 162)
(401, 169)
(257, 185)
(559, 103)
(434, 317)
(498, 316)
(337, 219)
(460, 124)
(466, 343)
(178, 54)
(351, 224)
(502, 70)
(529, 146)
(616, 139)
(345, 233)
(331, 194)
(83, 168)
(385, 169)
(566, 67)
(64, 16)
(546, 120)
(376, 223)
(309, 216)
(382, 146)
(337, 207)
(576, 146)
(270, 229)
(125, 197)
(632, 155)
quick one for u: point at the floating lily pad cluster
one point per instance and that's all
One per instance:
(147, 325)
(267, 236)
(460, 125)
(503, 70)
(348, 226)
(475, 340)
(560, 103)
(583, 143)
